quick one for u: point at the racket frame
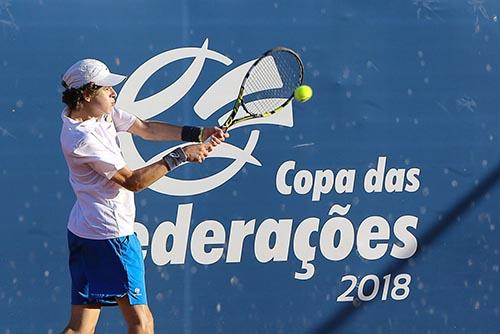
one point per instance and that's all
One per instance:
(240, 100)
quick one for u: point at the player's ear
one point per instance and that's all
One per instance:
(87, 96)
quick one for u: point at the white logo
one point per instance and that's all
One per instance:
(219, 94)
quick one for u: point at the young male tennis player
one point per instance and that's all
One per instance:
(105, 257)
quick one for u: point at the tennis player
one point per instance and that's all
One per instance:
(105, 257)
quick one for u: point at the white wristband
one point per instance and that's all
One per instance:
(175, 158)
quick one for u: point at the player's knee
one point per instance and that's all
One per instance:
(78, 328)
(141, 324)
(151, 324)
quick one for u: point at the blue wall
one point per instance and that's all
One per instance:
(414, 82)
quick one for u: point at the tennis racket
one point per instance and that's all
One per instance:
(268, 85)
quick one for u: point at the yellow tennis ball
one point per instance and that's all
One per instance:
(303, 93)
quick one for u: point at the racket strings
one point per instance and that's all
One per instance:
(272, 81)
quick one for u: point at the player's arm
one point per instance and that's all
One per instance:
(161, 131)
(155, 130)
(140, 179)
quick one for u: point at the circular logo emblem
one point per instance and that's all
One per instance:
(219, 94)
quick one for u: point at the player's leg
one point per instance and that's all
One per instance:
(84, 311)
(138, 317)
(134, 304)
(83, 319)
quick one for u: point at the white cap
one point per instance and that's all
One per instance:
(90, 70)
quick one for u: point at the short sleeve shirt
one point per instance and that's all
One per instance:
(103, 209)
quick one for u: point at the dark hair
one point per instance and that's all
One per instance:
(74, 97)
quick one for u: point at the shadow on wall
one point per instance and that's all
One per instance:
(337, 320)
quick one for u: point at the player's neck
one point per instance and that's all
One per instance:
(81, 115)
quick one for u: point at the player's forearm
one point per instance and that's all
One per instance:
(162, 131)
(144, 177)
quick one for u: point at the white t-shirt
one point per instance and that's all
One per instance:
(103, 209)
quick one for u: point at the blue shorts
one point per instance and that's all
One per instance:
(102, 270)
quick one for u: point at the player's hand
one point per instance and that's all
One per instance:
(197, 152)
(216, 135)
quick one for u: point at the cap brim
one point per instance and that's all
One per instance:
(110, 80)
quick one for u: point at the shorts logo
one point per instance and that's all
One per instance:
(219, 94)
(137, 291)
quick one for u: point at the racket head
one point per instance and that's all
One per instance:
(271, 81)
(269, 84)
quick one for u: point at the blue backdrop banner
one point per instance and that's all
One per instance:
(371, 208)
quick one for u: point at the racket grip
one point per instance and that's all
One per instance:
(207, 141)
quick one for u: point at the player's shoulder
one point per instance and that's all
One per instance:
(74, 137)
(120, 113)
(123, 120)
(117, 111)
